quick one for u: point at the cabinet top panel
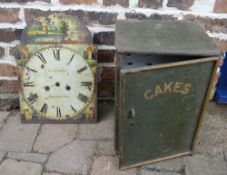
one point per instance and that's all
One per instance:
(163, 37)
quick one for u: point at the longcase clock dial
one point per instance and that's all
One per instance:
(57, 83)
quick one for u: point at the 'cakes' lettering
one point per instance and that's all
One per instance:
(170, 87)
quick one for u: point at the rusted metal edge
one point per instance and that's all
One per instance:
(117, 100)
(120, 120)
(204, 53)
(168, 65)
(203, 109)
(156, 160)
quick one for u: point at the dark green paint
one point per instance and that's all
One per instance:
(165, 125)
(163, 37)
(151, 53)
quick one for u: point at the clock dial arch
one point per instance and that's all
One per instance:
(58, 83)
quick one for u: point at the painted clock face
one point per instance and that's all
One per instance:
(57, 83)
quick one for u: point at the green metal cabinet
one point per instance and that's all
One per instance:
(164, 73)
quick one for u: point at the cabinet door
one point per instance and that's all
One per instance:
(160, 109)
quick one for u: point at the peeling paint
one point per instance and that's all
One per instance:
(203, 6)
(221, 36)
(8, 78)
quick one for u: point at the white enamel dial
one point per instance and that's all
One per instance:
(57, 83)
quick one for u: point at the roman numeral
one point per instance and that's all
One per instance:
(83, 98)
(56, 53)
(86, 83)
(73, 108)
(32, 98)
(44, 108)
(40, 56)
(82, 69)
(71, 59)
(58, 112)
(29, 84)
(31, 69)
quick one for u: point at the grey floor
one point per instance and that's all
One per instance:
(82, 149)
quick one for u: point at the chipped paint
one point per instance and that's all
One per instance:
(48, 32)
(56, 27)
